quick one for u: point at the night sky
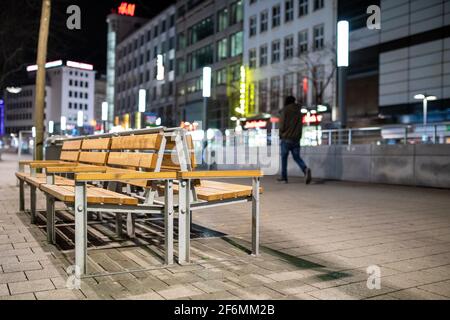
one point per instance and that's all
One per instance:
(19, 27)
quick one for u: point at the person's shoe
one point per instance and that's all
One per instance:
(308, 176)
(280, 180)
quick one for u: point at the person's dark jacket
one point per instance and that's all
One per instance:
(291, 127)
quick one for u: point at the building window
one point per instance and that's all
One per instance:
(275, 93)
(200, 58)
(288, 84)
(318, 4)
(222, 49)
(288, 10)
(262, 95)
(252, 26)
(222, 20)
(263, 55)
(172, 20)
(276, 12)
(302, 42)
(318, 37)
(236, 12)
(276, 51)
(221, 76)
(181, 41)
(302, 8)
(201, 30)
(70, 105)
(252, 58)
(163, 26)
(181, 67)
(264, 21)
(235, 72)
(236, 44)
(155, 31)
(289, 47)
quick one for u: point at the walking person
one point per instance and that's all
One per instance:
(291, 129)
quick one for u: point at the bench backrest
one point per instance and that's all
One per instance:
(70, 150)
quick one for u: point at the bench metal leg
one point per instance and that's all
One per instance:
(81, 227)
(21, 195)
(131, 225)
(51, 220)
(168, 222)
(255, 216)
(33, 203)
(119, 220)
(184, 223)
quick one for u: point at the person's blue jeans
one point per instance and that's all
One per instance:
(293, 147)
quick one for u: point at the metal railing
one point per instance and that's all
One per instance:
(408, 134)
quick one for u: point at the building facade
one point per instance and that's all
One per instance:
(209, 34)
(146, 61)
(289, 49)
(19, 109)
(408, 55)
(69, 93)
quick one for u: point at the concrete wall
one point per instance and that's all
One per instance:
(414, 165)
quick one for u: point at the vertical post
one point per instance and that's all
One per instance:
(33, 203)
(21, 195)
(40, 78)
(131, 225)
(168, 221)
(406, 135)
(184, 222)
(255, 216)
(205, 114)
(435, 134)
(342, 74)
(81, 227)
(50, 220)
(330, 136)
(350, 137)
(119, 224)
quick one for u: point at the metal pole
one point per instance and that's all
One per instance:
(40, 79)
(205, 114)
(425, 111)
(342, 74)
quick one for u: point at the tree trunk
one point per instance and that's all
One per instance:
(40, 79)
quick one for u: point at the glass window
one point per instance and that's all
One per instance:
(288, 84)
(181, 41)
(302, 42)
(264, 21)
(262, 95)
(155, 31)
(276, 12)
(288, 47)
(201, 30)
(222, 49)
(235, 72)
(318, 37)
(252, 58)
(288, 10)
(252, 26)
(222, 20)
(163, 26)
(276, 51)
(318, 4)
(263, 55)
(236, 44)
(221, 76)
(172, 20)
(181, 67)
(200, 58)
(302, 7)
(274, 93)
(236, 12)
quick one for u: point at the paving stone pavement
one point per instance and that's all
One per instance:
(317, 243)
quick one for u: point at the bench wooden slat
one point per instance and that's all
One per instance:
(138, 142)
(93, 157)
(133, 159)
(69, 156)
(96, 144)
(71, 145)
(94, 195)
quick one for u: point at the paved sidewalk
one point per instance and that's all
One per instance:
(317, 243)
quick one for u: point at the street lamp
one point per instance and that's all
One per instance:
(342, 52)
(425, 98)
(80, 121)
(63, 124)
(51, 126)
(206, 93)
(104, 114)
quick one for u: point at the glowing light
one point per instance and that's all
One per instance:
(158, 121)
(126, 9)
(206, 82)
(14, 90)
(63, 123)
(104, 111)
(242, 91)
(322, 108)
(51, 127)
(80, 120)
(50, 64)
(79, 65)
(342, 43)
(304, 110)
(159, 67)
(33, 132)
(142, 100)
(256, 124)
(312, 119)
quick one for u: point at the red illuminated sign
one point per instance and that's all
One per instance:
(255, 124)
(312, 119)
(126, 9)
